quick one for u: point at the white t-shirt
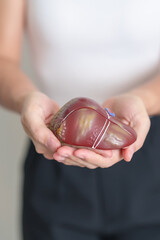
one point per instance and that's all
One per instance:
(95, 48)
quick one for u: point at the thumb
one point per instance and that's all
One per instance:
(40, 133)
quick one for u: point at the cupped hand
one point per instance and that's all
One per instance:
(36, 114)
(130, 110)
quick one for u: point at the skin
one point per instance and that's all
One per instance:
(18, 93)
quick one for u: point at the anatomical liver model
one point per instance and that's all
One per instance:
(84, 123)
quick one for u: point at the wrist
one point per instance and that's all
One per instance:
(149, 99)
(23, 96)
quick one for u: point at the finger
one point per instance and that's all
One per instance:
(69, 162)
(83, 162)
(39, 133)
(128, 153)
(69, 152)
(142, 131)
(97, 159)
(104, 153)
(66, 151)
(45, 137)
(74, 160)
(66, 161)
(43, 150)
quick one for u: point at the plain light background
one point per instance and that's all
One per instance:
(13, 142)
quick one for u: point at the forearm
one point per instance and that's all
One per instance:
(150, 95)
(14, 85)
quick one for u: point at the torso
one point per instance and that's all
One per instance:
(93, 49)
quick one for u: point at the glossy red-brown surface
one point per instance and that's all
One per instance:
(84, 123)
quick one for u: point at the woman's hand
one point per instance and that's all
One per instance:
(37, 112)
(129, 109)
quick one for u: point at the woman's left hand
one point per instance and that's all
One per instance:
(130, 110)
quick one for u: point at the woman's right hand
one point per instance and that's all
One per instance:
(37, 112)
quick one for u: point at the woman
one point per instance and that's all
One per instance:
(107, 51)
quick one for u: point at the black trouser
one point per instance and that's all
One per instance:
(64, 233)
(119, 203)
